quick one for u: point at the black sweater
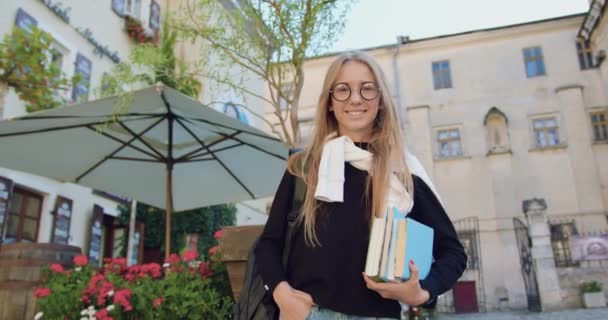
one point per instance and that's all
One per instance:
(332, 273)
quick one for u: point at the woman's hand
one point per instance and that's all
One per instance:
(408, 292)
(293, 304)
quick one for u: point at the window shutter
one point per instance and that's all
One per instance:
(82, 66)
(154, 16)
(25, 21)
(96, 236)
(119, 7)
(6, 190)
(61, 222)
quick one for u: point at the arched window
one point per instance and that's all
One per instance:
(232, 110)
(497, 133)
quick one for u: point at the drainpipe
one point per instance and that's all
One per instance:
(401, 40)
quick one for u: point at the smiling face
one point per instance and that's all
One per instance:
(356, 115)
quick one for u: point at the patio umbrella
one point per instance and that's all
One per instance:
(167, 150)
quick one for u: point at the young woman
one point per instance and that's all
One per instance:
(354, 168)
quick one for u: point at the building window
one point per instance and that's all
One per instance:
(82, 67)
(533, 59)
(154, 22)
(560, 234)
(546, 132)
(286, 91)
(25, 21)
(467, 238)
(233, 111)
(585, 55)
(23, 216)
(599, 122)
(306, 129)
(132, 8)
(441, 75)
(449, 143)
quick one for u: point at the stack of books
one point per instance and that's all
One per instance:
(395, 240)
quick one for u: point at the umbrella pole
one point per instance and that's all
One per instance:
(168, 215)
(170, 119)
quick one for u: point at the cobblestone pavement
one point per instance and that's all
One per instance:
(576, 314)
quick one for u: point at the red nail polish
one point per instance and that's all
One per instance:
(411, 262)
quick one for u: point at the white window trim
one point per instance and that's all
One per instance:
(561, 132)
(135, 11)
(67, 49)
(436, 148)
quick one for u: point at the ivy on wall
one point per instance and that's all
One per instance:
(204, 221)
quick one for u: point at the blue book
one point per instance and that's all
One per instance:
(418, 247)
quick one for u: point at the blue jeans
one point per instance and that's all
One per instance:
(318, 313)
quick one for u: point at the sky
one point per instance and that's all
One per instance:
(373, 23)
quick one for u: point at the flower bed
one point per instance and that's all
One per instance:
(182, 288)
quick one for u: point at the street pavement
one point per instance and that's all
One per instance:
(575, 314)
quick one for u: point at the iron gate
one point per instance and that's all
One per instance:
(528, 268)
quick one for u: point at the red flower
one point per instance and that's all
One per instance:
(173, 258)
(42, 292)
(157, 302)
(213, 250)
(152, 269)
(123, 297)
(81, 260)
(218, 234)
(103, 315)
(204, 271)
(55, 267)
(190, 255)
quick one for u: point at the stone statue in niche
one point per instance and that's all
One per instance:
(497, 132)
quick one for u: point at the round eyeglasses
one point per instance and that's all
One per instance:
(342, 91)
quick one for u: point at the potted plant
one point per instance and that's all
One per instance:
(593, 295)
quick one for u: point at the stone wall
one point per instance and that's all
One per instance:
(571, 278)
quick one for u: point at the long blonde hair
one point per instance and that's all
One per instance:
(386, 145)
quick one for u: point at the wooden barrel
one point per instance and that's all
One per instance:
(235, 244)
(20, 270)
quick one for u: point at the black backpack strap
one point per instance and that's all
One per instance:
(299, 193)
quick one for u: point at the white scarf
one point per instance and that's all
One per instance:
(330, 187)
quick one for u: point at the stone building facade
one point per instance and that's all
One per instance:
(511, 124)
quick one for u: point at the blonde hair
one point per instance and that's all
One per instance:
(385, 144)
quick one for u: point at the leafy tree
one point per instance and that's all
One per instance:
(149, 64)
(27, 67)
(270, 39)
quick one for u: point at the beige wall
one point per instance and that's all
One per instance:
(487, 69)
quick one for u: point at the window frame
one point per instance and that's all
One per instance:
(442, 77)
(601, 124)
(438, 142)
(585, 54)
(533, 131)
(473, 251)
(21, 215)
(132, 8)
(560, 243)
(537, 60)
